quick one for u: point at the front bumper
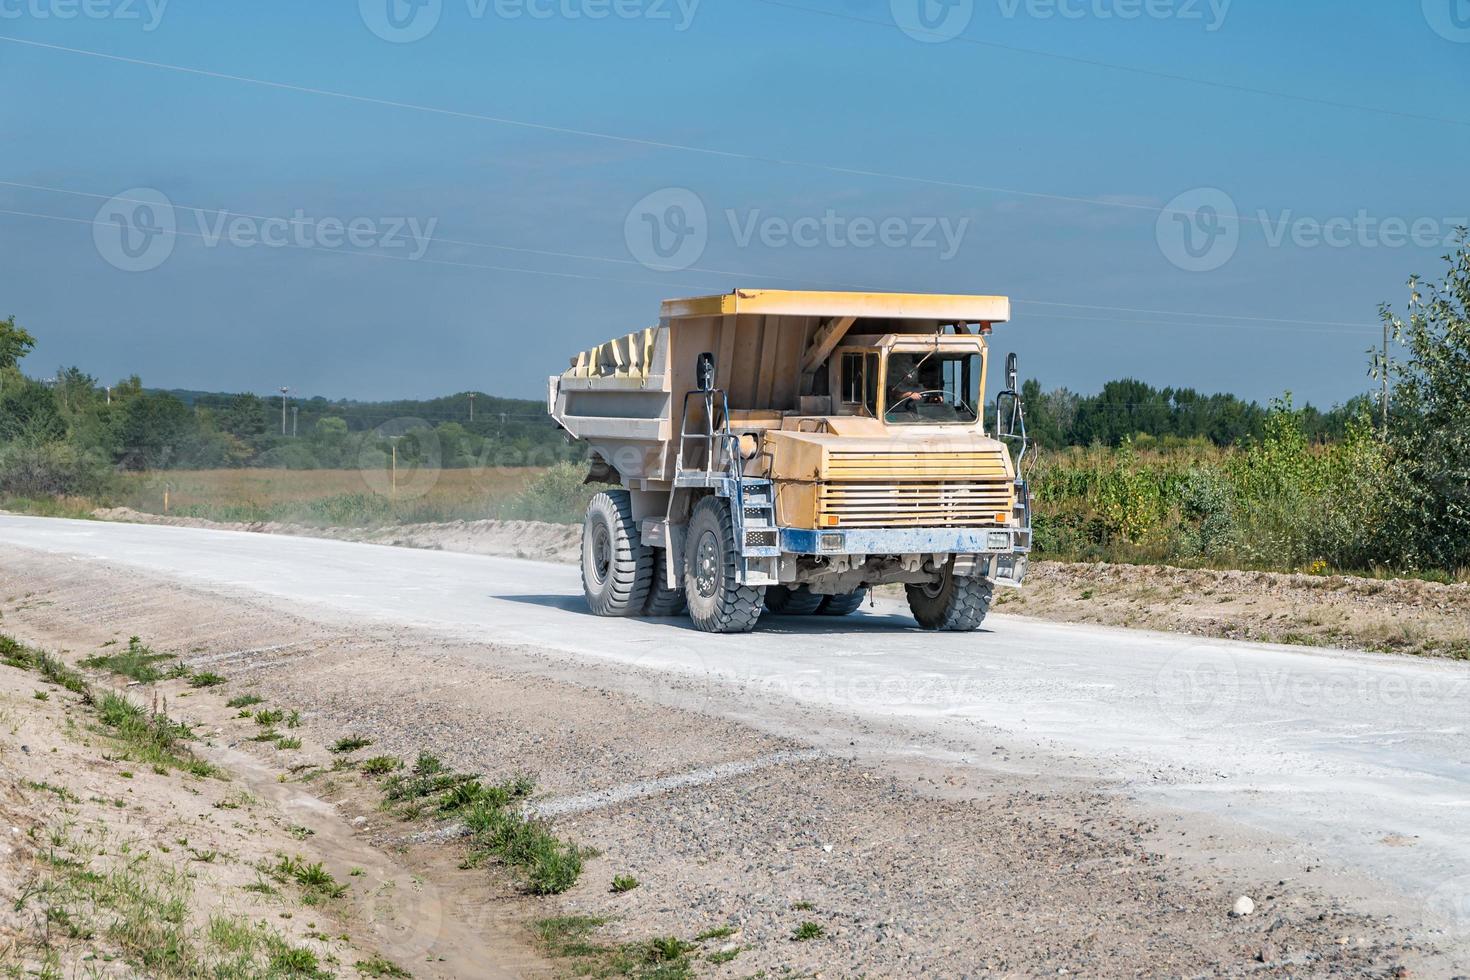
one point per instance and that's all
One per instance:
(906, 541)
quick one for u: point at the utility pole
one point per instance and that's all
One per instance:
(393, 486)
(294, 410)
(472, 406)
(283, 409)
(109, 394)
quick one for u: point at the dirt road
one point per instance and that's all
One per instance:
(917, 784)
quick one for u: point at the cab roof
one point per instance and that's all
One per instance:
(789, 302)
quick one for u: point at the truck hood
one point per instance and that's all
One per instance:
(798, 455)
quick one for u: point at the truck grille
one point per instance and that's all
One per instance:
(905, 489)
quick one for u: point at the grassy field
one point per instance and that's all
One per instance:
(329, 497)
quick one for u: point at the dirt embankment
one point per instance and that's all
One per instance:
(1345, 612)
(135, 843)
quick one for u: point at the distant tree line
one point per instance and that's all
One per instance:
(69, 433)
(1128, 409)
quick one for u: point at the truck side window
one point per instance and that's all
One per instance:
(859, 383)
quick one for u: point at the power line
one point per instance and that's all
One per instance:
(620, 138)
(375, 255)
(1131, 69)
(726, 272)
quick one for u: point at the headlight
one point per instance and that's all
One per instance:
(997, 541)
(831, 541)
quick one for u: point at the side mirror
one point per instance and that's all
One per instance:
(1011, 371)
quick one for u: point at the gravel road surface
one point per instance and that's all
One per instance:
(1362, 759)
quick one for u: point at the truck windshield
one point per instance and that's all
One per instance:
(933, 387)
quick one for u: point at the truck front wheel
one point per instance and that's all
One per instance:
(953, 603)
(718, 603)
(617, 568)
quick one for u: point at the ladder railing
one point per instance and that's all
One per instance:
(752, 503)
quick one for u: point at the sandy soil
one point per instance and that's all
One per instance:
(1344, 612)
(908, 867)
(112, 866)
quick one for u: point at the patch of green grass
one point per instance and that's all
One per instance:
(660, 958)
(269, 718)
(719, 932)
(206, 678)
(376, 966)
(150, 738)
(493, 817)
(497, 827)
(568, 935)
(350, 743)
(723, 955)
(41, 696)
(379, 765)
(57, 672)
(803, 906)
(16, 654)
(288, 743)
(137, 662)
(60, 792)
(623, 883)
(244, 700)
(807, 931)
(314, 880)
(141, 909)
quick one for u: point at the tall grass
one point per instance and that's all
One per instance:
(1279, 504)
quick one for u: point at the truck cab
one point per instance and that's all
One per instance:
(784, 453)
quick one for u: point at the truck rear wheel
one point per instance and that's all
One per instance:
(617, 568)
(717, 602)
(662, 600)
(782, 600)
(953, 604)
(842, 605)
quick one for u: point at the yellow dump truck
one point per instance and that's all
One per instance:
(784, 452)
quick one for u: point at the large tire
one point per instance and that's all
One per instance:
(717, 603)
(782, 600)
(617, 568)
(662, 600)
(953, 604)
(842, 605)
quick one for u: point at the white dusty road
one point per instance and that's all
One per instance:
(1364, 758)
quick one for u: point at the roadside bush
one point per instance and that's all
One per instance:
(558, 496)
(1429, 431)
(52, 469)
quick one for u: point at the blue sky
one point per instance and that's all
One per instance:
(1052, 142)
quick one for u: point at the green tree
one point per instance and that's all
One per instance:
(15, 343)
(1429, 425)
(154, 431)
